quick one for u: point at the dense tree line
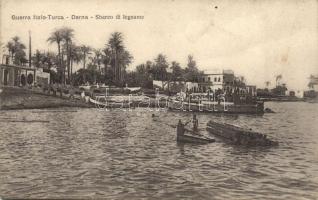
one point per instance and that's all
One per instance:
(107, 65)
(160, 69)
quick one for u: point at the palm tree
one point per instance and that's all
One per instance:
(75, 56)
(177, 71)
(85, 51)
(10, 47)
(57, 37)
(98, 58)
(267, 83)
(38, 58)
(124, 59)
(95, 64)
(116, 45)
(16, 50)
(67, 35)
(106, 59)
(161, 66)
(278, 77)
(51, 59)
(191, 62)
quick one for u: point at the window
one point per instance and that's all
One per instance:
(209, 79)
(219, 79)
(215, 79)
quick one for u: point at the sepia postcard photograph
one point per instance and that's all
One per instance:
(159, 99)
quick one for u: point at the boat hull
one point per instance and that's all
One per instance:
(257, 108)
(187, 136)
(239, 136)
(100, 104)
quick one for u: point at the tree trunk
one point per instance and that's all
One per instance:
(59, 59)
(64, 71)
(116, 67)
(71, 70)
(84, 62)
(105, 72)
(99, 72)
(68, 59)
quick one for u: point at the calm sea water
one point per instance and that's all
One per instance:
(129, 155)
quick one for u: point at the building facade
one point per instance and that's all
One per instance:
(14, 75)
(176, 86)
(217, 80)
(225, 81)
(313, 83)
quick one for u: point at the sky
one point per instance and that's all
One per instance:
(256, 39)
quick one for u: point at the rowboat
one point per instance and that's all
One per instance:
(188, 136)
(104, 104)
(239, 136)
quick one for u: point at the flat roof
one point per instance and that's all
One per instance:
(218, 72)
(18, 66)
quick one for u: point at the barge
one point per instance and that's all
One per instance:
(239, 136)
(214, 107)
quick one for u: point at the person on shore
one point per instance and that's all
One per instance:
(72, 93)
(83, 94)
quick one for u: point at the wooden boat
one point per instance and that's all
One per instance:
(100, 104)
(213, 107)
(188, 136)
(238, 135)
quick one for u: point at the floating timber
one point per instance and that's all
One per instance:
(239, 136)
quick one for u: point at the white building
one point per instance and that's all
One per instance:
(19, 75)
(176, 85)
(217, 79)
(313, 83)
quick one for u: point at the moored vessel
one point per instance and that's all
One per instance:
(214, 107)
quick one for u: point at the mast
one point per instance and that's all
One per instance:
(30, 50)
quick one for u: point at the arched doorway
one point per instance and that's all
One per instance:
(5, 77)
(23, 80)
(30, 79)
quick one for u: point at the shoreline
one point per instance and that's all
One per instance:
(12, 98)
(16, 98)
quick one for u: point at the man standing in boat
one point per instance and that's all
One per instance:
(180, 129)
(181, 126)
(195, 123)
